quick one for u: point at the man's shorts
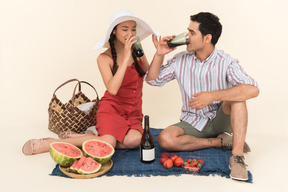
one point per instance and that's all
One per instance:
(220, 124)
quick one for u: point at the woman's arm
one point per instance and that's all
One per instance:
(112, 83)
(145, 63)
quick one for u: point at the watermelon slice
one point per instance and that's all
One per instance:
(84, 166)
(72, 168)
(80, 162)
(98, 150)
(88, 166)
(64, 153)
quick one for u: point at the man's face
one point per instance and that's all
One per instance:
(195, 36)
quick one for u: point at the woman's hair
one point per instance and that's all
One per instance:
(114, 56)
(209, 24)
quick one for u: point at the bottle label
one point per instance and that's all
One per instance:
(148, 154)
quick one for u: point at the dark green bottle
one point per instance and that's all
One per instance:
(147, 148)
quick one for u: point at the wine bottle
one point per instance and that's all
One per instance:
(147, 143)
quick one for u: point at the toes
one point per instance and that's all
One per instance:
(27, 148)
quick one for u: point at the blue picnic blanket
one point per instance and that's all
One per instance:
(127, 162)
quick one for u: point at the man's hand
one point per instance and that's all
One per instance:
(201, 100)
(161, 45)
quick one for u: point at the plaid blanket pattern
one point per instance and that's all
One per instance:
(127, 162)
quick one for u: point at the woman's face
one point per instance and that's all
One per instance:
(124, 30)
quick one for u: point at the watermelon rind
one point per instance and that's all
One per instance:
(72, 168)
(103, 159)
(62, 159)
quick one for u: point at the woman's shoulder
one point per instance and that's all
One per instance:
(105, 56)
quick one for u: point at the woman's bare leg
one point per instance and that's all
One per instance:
(131, 140)
(35, 146)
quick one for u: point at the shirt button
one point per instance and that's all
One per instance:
(134, 91)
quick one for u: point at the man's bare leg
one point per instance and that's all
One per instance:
(173, 139)
(239, 118)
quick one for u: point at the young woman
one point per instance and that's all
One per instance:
(119, 116)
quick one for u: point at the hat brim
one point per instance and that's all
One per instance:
(143, 30)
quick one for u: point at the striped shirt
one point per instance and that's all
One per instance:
(219, 71)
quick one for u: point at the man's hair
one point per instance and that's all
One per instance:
(209, 24)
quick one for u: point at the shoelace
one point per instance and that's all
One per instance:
(239, 159)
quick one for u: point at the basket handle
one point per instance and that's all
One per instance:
(71, 80)
(79, 83)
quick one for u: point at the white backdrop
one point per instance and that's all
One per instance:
(46, 42)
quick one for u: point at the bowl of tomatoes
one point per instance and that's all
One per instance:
(193, 165)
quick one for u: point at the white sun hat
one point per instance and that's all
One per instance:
(143, 29)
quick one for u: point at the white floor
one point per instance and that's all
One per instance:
(267, 162)
(44, 43)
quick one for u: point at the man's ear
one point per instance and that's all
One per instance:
(208, 38)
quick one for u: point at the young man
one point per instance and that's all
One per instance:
(214, 91)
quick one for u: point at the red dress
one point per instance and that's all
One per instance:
(119, 113)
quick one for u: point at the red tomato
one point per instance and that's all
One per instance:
(162, 159)
(200, 161)
(173, 157)
(178, 161)
(194, 163)
(165, 154)
(168, 164)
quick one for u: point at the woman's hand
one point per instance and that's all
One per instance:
(127, 49)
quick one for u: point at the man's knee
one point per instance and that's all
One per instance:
(166, 138)
(228, 106)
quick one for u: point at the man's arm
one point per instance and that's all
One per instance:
(161, 50)
(241, 92)
(154, 68)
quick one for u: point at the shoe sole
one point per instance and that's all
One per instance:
(239, 179)
(236, 178)
(230, 134)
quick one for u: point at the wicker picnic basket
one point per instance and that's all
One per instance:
(68, 117)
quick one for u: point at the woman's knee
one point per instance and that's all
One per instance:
(107, 138)
(132, 141)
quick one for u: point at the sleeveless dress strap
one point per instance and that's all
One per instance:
(108, 55)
